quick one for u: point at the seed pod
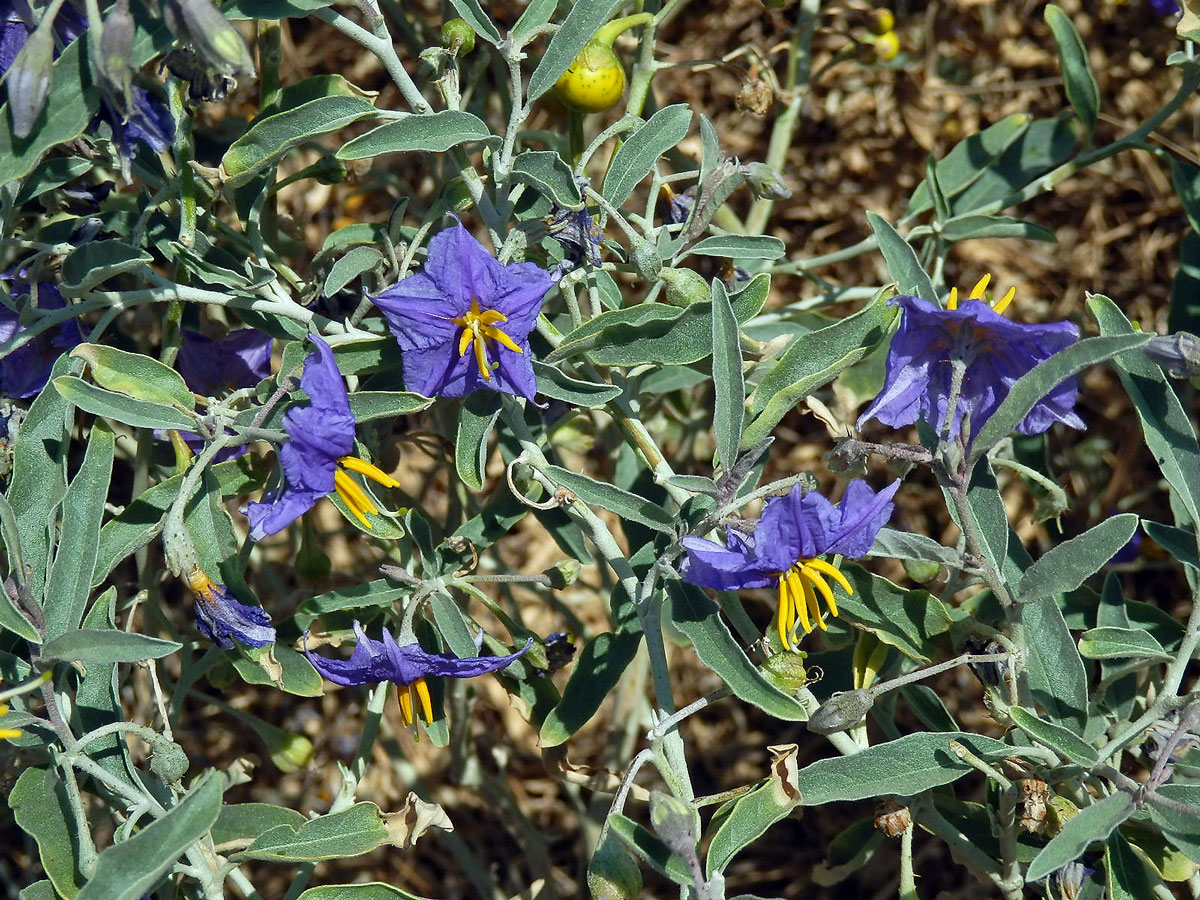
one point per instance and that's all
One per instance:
(1034, 795)
(755, 97)
(892, 817)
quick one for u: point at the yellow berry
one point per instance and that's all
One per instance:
(594, 82)
(887, 46)
(882, 21)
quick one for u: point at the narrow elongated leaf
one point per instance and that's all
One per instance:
(813, 360)
(11, 617)
(1166, 424)
(637, 156)
(752, 814)
(700, 619)
(435, 133)
(550, 174)
(739, 246)
(651, 849)
(970, 158)
(1120, 643)
(93, 263)
(136, 866)
(1056, 674)
(896, 544)
(368, 405)
(239, 821)
(1082, 91)
(39, 803)
(1180, 543)
(1043, 378)
(1066, 566)
(536, 14)
(902, 262)
(903, 767)
(610, 497)
(98, 698)
(576, 29)
(120, 408)
(965, 228)
(480, 22)
(596, 672)
(352, 832)
(475, 422)
(353, 264)
(273, 137)
(374, 890)
(1093, 823)
(70, 580)
(136, 375)
(1061, 740)
(554, 382)
(91, 646)
(1044, 144)
(728, 383)
(1127, 877)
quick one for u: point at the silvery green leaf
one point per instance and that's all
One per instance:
(1067, 565)
(595, 672)
(1093, 823)
(553, 382)
(435, 133)
(476, 419)
(480, 22)
(296, 673)
(549, 173)
(1042, 145)
(368, 405)
(739, 246)
(1061, 740)
(137, 865)
(651, 849)
(608, 496)
(903, 767)
(1082, 91)
(11, 617)
(40, 806)
(93, 263)
(352, 832)
(728, 383)
(1127, 875)
(536, 14)
(239, 821)
(969, 159)
(136, 375)
(93, 645)
(1120, 643)
(903, 265)
(1057, 678)
(374, 890)
(356, 262)
(637, 156)
(1180, 543)
(965, 228)
(120, 408)
(909, 620)
(896, 544)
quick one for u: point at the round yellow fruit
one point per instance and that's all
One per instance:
(594, 82)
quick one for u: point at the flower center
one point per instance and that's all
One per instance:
(479, 327)
(357, 500)
(201, 585)
(978, 292)
(798, 589)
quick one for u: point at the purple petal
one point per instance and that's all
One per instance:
(463, 269)
(861, 514)
(242, 359)
(725, 568)
(272, 516)
(418, 313)
(221, 617)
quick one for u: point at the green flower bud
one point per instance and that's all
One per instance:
(29, 79)
(458, 37)
(116, 50)
(685, 286)
(922, 570)
(167, 760)
(201, 26)
(563, 573)
(646, 260)
(841, 712)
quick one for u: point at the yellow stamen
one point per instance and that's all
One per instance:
(353, 495)
(1005, 300)
(980, 287)
(832, 571)
(347, 499)
(479, 327)
(821, 585)
(426, 703)
(799, 606)
(406, 705)
(810, 597)
(784, 618)
(362, 467)
(952, 303)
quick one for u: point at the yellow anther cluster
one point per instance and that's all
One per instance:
(479, 327)
(798, 588)
(979, 292)
(356, 499)
(406, 702)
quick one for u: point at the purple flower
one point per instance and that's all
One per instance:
(1164, 8)
(408, 665)
(221, 618)
(321, 439)
(241, 359)
(676, 207)
(993, 351)
(580, 236)
(464, 322)
(25, 371)
(792, 534)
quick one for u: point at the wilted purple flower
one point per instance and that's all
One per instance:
(407, 666)
(25, 371)
(465, 300)
(239, 360)
(221, 618)
(321, 439)
(677, 207)
(579, 234)
(792, 534)
(993, 351)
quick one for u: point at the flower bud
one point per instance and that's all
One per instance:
(29, 79)
(922, 570)
(458, 37)
(167, 760)
(563, 573)
(612, 873)
(685, 286)
(1059, 811)
(116, 51)
(646, 260)
(200, 25)
(766, 183)
(841, 712)
(1178, 354)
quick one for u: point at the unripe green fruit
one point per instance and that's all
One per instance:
(458, 37)
(595, 80)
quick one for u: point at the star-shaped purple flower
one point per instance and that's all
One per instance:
(792, 534)
(239, 360)
(321, 439)
(374, 661)
(220, 617)
(995, 352)
(464, 322)
(25, 371)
